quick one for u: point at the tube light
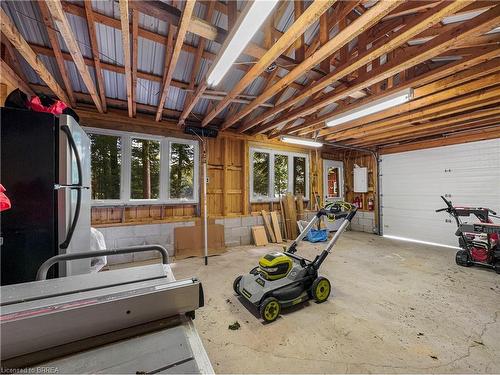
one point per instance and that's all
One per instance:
(301, 141)
(379, 105)
(255, 17)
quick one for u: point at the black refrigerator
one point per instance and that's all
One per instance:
(45, 168)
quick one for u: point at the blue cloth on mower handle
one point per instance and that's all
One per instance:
(317, 235)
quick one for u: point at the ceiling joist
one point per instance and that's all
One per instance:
(19, 43)
(416, 26)
(66, 33)
(368, 19)
(181, 33)
(306, 19)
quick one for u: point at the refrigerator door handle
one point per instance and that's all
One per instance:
(78, 187)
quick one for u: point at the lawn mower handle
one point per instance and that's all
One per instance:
(320, 258)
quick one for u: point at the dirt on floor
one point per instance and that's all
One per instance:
(396, 307)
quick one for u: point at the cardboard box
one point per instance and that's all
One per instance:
(188, 241)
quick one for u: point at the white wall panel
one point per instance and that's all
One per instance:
(412, 183)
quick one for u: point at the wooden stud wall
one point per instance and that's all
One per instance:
(141, 214)
(226, 176)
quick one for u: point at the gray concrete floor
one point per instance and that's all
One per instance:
(397, 307)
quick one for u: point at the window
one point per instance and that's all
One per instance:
(275, 173)
(280, 175)
(261, 174)
(145, 169)
(181, 171)
(333, 179)
(105, 165)
(299, 175)
(129, 168)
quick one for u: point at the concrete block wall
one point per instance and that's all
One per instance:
(147, 234)
(238, 230)
(364, 221)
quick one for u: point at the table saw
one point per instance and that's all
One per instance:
(131, 320)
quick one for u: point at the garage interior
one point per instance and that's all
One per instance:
(342, 157)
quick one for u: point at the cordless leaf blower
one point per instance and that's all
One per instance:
(284, 279)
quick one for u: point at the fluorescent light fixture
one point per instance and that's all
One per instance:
(301, 141)
(252, 21)
(418, 241)
(379, 105)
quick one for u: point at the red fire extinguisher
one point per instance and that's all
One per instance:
(357, 202)
(371, 204)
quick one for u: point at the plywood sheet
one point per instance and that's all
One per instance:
(276, 227)
(259, 235)
(290, 216)
(189, 242)
(269, 228)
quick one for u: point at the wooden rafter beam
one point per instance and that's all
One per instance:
(411, 7)
(120, 69)
(476, 117)
(96, 56)
(371, 17)
(11, 76)
(324, 35)
(440, 132)
(476, 100)
(428, 98)
(64, 28)
(310, 15)
(12, 59)
(192, 99)
(19, 43)
(436, 46)
(417, 25)
(461, 137)
(451, 68)
(431, 82)
(135, 55)
(444, 105)
(127, 55)
(75, 9)
(148, 76)
(54, 42)
(181, 33)
(83, 98)
(199, 27)
(300, 51)
(342, 10)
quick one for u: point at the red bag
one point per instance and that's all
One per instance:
(56, 108)
(4, 201)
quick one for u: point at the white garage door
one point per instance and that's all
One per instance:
(412, 182)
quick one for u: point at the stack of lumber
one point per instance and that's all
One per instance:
(270, 232)
(292, 210)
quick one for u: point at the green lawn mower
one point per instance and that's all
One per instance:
(284, 279)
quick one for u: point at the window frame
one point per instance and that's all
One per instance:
(272, 154)
(126, 169)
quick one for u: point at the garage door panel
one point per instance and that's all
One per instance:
(412, 182)
(414, 225)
